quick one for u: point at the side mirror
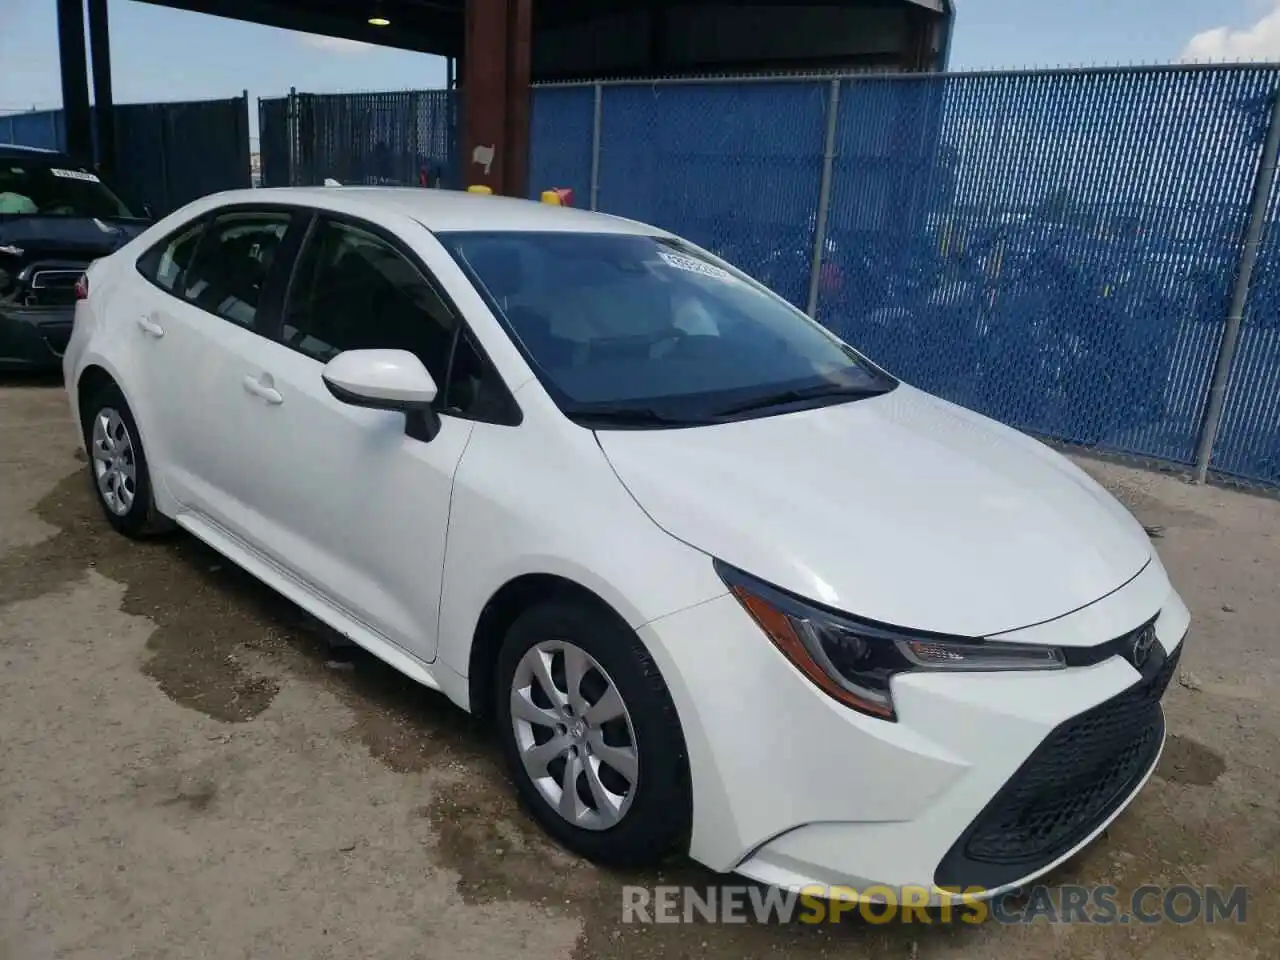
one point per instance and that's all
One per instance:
(386, 380)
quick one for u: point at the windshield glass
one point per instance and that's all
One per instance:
(55, 187)
(646, 329)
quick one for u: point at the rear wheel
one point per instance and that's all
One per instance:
(591, 736)
(118, 466)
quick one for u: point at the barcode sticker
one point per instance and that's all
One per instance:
(694, 266)
(75, 175)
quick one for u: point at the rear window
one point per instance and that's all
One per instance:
(55, 187)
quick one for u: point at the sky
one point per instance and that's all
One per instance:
(163, 54)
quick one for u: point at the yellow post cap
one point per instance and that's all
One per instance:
(552, 197)
(479, 188)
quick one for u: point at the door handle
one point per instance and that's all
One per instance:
(263, 391)
(150, 327)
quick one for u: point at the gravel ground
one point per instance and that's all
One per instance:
(187, 774)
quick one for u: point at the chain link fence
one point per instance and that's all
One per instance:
(405, 138)
(167, 154)
(1060, 250)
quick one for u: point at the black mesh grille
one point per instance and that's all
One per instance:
(1072, 782)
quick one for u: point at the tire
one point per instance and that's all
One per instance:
(654, 816)
(118, 470)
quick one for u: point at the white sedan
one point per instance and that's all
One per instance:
(724, 585)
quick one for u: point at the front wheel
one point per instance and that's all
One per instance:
(590, 735)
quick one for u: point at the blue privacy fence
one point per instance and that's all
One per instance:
(37, 128)
(1055, 249)
(167, 153)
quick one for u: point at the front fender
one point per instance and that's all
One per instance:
(519, 508)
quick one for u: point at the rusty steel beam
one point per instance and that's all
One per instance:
(495, 95)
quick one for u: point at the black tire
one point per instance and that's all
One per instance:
(658, 820)
(141, 520)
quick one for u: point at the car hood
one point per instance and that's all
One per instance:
(41, 237)
(901, 508)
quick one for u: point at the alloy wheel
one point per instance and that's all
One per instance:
(574, 734)
(114, 465)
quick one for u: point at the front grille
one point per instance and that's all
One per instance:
(1072, 782)
(54, 279)
(53, 283)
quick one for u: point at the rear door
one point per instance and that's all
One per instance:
(203, 335)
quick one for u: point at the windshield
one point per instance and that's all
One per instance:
(646, 330)
(55, 187)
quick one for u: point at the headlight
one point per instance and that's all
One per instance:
(854, 661)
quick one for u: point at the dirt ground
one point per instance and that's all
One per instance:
(185, 773)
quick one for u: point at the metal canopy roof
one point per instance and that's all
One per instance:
(436, 26)
(428, 26)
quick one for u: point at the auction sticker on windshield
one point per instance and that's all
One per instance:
(75, 175)
(694, 266)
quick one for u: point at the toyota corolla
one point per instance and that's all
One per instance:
(723, 585)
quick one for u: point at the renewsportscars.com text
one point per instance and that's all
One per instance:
(1067, 904)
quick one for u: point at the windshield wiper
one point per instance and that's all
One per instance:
(783, 397)
(631, 417)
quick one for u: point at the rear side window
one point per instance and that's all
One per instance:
(232, 263)
(164, 263)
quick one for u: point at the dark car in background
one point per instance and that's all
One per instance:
(56, 217)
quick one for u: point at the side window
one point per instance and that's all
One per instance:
(233, 262)
(164, 263)
(354, 291)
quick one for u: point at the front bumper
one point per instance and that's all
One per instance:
(795, 790)
(34, 338)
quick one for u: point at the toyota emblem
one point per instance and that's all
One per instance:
(1143, 644)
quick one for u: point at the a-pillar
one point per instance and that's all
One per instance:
(495, 95)
(75, 80)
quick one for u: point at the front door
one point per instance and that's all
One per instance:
(359, 510)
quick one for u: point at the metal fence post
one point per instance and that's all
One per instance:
(1262, 188)
(163, 121)
(291, 129)
(595, 145)
(824, 198)
(245, 149)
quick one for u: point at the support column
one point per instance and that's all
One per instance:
(495, 95)
(75, 80)
(917, 52)
(103, 105)
(658, 29)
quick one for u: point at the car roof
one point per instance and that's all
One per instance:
(445, 210)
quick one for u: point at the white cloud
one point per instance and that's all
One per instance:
(1258, 42)
(335, 44)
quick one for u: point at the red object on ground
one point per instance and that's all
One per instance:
(565, 194)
